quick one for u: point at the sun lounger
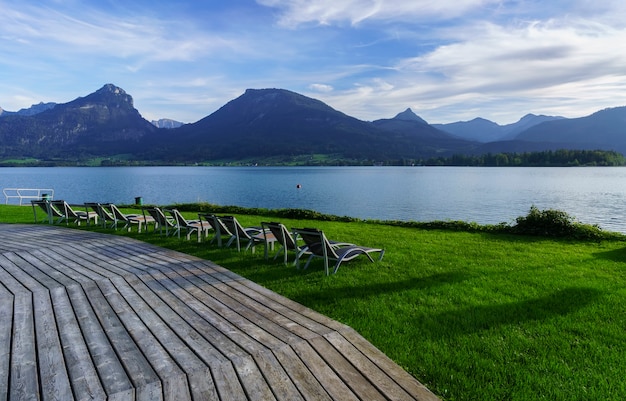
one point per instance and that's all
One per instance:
(47, 213)
(105, 216)
(320, 247)
(250, 236)
(69, 214)
(161, 221)
(189, 226)
(219, 228)
(286, 240)
(128, 219)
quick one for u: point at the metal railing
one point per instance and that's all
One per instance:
(22, 194)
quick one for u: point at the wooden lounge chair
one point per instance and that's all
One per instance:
(161, 221)
(190, 226)
(251, 236)
(284, 238)
(68, 214)
(319, 246)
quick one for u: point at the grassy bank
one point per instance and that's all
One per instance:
(474, 315)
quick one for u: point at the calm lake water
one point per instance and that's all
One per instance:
(483, 195)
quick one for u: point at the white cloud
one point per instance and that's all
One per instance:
(448, 59)
(321, 88)
(60, 35)
(296, 12)
(502, 72)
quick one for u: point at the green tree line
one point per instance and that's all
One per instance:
(549, 158)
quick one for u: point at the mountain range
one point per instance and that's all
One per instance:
(279, 126)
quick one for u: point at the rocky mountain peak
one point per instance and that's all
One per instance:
(409, 115)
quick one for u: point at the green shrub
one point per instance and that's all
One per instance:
(555, 223)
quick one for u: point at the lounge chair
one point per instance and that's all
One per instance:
(218, 226)
(68, 214)
(284, 238)
(251, 236)
(104, 214)
(128, 219)
(190, 226)
(319, 246)
(161, 221)
(50, 213)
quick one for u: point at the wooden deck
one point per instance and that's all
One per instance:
(90, 316)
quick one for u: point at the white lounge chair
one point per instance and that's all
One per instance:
(251, 236)
(286, 240)
(190, 226)
(320, 247)
(69, 214)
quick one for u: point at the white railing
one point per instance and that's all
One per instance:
(22, 194)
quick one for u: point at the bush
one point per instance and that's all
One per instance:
(555, 223)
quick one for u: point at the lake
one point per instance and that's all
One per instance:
(594, 195)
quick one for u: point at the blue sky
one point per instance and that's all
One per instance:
(448, 60)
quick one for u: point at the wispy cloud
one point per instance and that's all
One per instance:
(53, 32)
(448, 59)
(296, 12)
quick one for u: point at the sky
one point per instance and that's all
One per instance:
(447, 60)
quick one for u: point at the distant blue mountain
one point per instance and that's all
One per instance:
(482, 130)
(280, 126)
(31, 111)
(604, 129)
(409, 115)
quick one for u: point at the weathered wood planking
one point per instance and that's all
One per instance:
(89, 316)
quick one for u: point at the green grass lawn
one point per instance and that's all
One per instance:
(472, 315)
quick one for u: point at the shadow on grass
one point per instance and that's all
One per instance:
(335, 294)
(474, 319)
(615, 255)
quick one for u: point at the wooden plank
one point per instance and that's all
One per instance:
(82, 371)
(4, 291)
(228, 317)
(114, 380)
(90, 264)
(354, 379)
(277, 373)
(49, 266)
(247, 372)
(280, 380)
(324, 373)
(309, 386)
(55, 384)
(205, 295)
(39, 279)
(144, 379)
(8, 281)
(80, 268)
(6, 327)
(392, 369)
(266, 315)
(174, 381)
(198, 374)
(19, 274)
(384, 383)
(304, 316)
(223, 373)
(24, 379)
(307, 318)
